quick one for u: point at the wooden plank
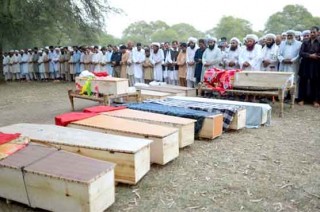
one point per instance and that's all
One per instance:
(132, 155)
(64, 181)
(106, 85)
(263, 79)
(185, 126)
(165, 146)
(186, 90)
(173, 92)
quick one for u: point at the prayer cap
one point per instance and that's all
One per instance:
(270, 35)
(291, 32)
(192, 39)
(297, 33)
(306, 32)
(235, 39)
(212, 39)
(252, 36)
(156, 44)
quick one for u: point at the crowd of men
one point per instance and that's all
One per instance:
(178, 63)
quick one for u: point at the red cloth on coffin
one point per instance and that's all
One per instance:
(7, 137)
(67, 118)
(219, 80)
(101, 109)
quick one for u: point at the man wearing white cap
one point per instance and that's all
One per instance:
(270, 54)
(157, 57)
(191, 50)
(16, 65)
(5, 64)
(138, 57)
(231, 58)
(30, 64)
(305, 35)
(211, 57)
(289, 53)
(250, 55)
(298, 35)
(41, 65)
(24, 73)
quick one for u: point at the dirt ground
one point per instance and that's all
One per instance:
(274, 168)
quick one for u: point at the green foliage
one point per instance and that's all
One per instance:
(294, 17)
(31, 23)
(230, 26)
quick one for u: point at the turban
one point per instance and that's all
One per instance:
(192, 39)
(212, 39)
(235, 39)
(291, 32)
(252, 36)
(306, 32)
(156, 44)
(284, 33)
(270, 35)
(297, 33)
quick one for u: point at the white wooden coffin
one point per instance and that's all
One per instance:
(185, 126)
(165, 145)
(131, 155)
(106, 85)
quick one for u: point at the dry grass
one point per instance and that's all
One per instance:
(274, 168)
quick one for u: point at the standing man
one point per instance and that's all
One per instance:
(171, 61)
(108, 60)
(24, 65)
(115, 60)
(191, 51)
(289, 53)
(198, 60)
(270, 54)
(182, 63)
(309, 72)
(212, 56)
(138, 57)
(35, 59)
(96, 59)
(166, 65)
(250, 55)
(231, 58)
(5, 64)
(157, 58)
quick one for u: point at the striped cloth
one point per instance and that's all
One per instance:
(228, 111)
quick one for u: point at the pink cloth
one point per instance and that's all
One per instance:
(219, 80)
(5, 138)
(101, 109)
(67, 118)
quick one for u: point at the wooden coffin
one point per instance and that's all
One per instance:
(165, 145)
(105, 85)
(58, 180)
(263, 79)
(185, 126)
(146, 94)
(261, 111)
(171, 91)
(187, 91)
(239, 119)
(131, 155)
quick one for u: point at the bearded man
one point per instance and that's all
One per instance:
(211, 57)
(231, 59)
(250, 55)
(270, 54)
(191, 51)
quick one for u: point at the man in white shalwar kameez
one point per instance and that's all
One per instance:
(250, 55)
(41, 65)
(289, 53)
(16, 64)
(231, 58)
(96, 59)
(24, 73)
(56, 63)
(157, 57)
(270, 54)
(30, 64)
(191, 50)
(138, 57)
(211, 57)
(108, 60)
(5, 64)
(103, 62)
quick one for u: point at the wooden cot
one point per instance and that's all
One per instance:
(185, 126)
(165, 145)
(187, 91)
(262, 83)
(131, 155)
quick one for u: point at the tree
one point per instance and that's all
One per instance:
(41, 22)
(185, 31)
(294, 17)
(167, 35)
(231, 27)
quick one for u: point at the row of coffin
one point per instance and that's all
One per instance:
(129, 139)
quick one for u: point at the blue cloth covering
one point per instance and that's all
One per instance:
(198, 115)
